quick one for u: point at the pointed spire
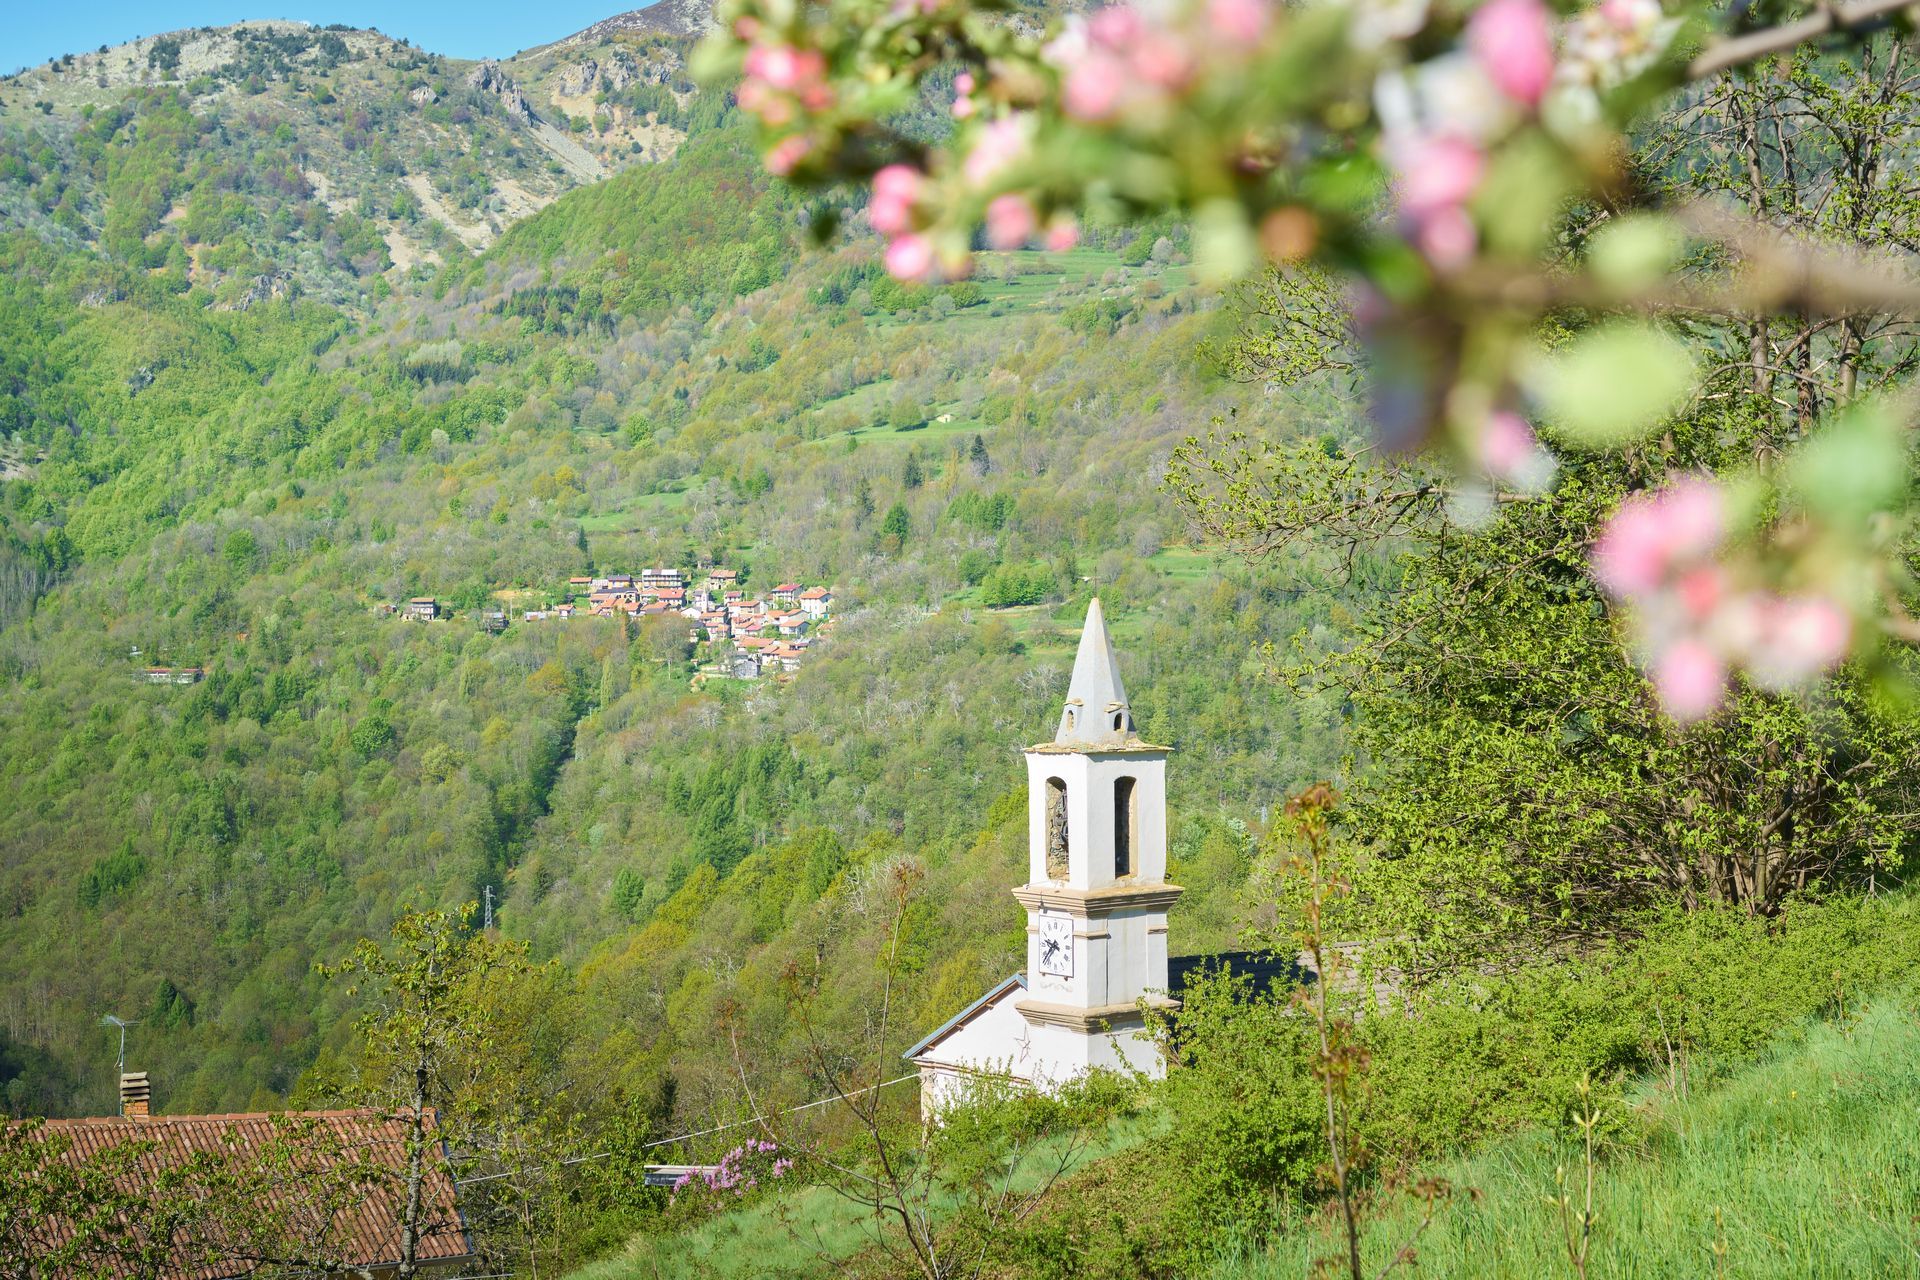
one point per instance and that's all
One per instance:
(1096, 713)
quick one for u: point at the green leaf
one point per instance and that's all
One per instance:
(1223, 243)
(1853, 468)
(1614, 383)
(1634, 252)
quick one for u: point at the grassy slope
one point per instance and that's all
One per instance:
(1803, 1164)
(810, 1232)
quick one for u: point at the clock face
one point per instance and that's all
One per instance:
(1056, 946)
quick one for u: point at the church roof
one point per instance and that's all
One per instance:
(966, 1015)
(1096, 714)
(1265, 970)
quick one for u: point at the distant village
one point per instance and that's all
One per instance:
(748, 636)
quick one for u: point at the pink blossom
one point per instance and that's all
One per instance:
(1011, 221)
(1651, 533)
(1513, 41)
(1448, 237)
(1804, 635)
(1094, 87)
(772, 108)
(1690, 679)
(1239, 21)
(1506, 443)
(746, 28)
(1700, 591)
(895, 188)
(783, 66)
(787, 153)
(1629, 15)
(910, 257)
(1163, 61)
(1001, 143)
(1115, 26)
(1062, 233)
(1436, 172)
(963, 104)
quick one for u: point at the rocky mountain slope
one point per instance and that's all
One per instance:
(266, 158)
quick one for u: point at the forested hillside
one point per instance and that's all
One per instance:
(653, 370)
(1505, 515)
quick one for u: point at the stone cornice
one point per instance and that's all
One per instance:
(1102, 901)
(1099, 1018)
(1123, 747)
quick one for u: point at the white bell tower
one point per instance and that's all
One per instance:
(1096, 892)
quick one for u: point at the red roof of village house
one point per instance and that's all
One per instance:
(366, 1233)
(788, 586)
(814, 593)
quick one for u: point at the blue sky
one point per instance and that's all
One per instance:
(33, 31)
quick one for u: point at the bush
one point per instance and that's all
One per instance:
(1017, 584)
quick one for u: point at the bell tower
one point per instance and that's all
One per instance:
(1096, 892)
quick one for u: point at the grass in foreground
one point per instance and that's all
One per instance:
(1804, 1165)
(803, 1234)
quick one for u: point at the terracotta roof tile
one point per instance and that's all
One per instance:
(366, 1234)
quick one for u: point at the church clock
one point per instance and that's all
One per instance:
(1056, 946)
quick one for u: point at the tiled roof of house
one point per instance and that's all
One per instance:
(366, 1234)
(815, 593)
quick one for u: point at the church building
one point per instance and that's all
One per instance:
(1096, 900)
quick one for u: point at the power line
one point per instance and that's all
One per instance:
(721, 1128)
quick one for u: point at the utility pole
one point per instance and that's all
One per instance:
(487, 920)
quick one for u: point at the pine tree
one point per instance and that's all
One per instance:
(911, 476)
(977, 456)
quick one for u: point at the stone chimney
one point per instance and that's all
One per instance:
(135, 1094)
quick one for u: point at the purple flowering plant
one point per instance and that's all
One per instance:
(742, 1171)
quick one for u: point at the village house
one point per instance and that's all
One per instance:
(493, 621)
(722, 579)
(668, 579)
(744, 666)
(421, 609)
(786, 593)
(173, 675)
(563, 610)
(815, 601)
(362, 1234)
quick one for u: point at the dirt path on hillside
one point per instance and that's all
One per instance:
(573, 157)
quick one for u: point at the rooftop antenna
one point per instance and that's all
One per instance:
(123, 1024)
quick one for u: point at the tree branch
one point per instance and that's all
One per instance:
(1861, 15)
